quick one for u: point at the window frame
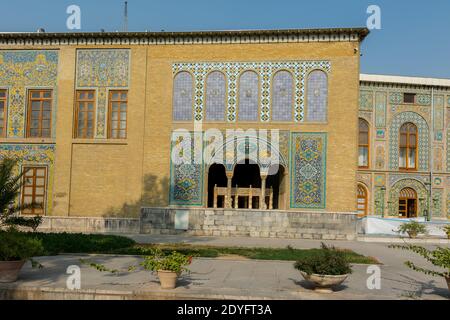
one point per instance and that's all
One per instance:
(360, 186)
(205, 105)
(408, 147)
(77, 111)
(29, 112)
(5, 112)
(110, 102)
(25, 170)
(306, 104)
(272, 94)
(364, 145)
(411, 94)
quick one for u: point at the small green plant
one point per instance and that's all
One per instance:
(412, 228)
(14, 246)
(446, 229)
(174, 261)
(328, 261)
(439, 257)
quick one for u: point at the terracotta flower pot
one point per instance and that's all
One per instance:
(324, 283)
(168, 279)
(9, 270)
(412, 234)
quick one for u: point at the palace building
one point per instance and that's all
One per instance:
(279, 133)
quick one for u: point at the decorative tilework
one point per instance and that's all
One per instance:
(380, 109)
(183, 95)
(380, 157)
(282, 96)
(248, 96)
(448, 150)
(423, 99)
(308, 170)
(437, 208)
(33, 154)
(424, 143)
(317, 96)
(393, 178)
(186, 180)
(102, 69)
(265, 70)
(215, 96)
(379, 201)
(23, 69)
(408, 183)
(438, 112)
(438, 154)
(366, 100)
(448, 204)
(396, 97)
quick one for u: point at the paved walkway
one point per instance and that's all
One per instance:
(226, 279)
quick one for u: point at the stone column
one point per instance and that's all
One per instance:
(262, 199)
(228, 195)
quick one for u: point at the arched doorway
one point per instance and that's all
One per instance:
(216, 177)
(407, 203)
(246, 174)
(362, 200)
(276, 182)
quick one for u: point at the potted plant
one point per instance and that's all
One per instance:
(439, 257)
(325, 270)
(168, 267)
(446, 229)
(15, 247)
(412, 228)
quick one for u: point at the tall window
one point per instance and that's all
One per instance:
(248, 96)
(3, 116)
(182, 96)
(118, 101)
(282, 96)
(362, 200)
(39, 117)
(317, 96)
(33, 190)
(363, 144)
(215, 96)
(84, 114)
(408, 147)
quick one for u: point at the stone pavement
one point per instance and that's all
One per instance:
(226, 278)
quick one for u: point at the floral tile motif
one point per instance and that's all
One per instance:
(102, 69)
(23, 69)
(308, 170)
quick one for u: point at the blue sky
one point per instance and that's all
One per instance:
(414, 39)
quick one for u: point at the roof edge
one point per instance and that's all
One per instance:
(424, 81)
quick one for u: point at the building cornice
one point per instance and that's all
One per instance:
(400, 81)
(194, 37)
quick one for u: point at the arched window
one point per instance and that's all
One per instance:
(182, 96)
(317, 86)
(363, 144)
(215, 96)
(408, 147)
(282, 96)
(248, 96)
(362, 200)
(407, 203)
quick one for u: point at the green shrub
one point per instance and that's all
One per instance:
(327, 261)
(174, 261)
(446, 229)
(55, 243)
(15, 246)
(439, 257)
(412, 228)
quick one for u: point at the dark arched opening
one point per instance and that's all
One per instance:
(216, 176)
(245, 175)
(275, 181)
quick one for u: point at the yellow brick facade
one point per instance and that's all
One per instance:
(116, 177)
